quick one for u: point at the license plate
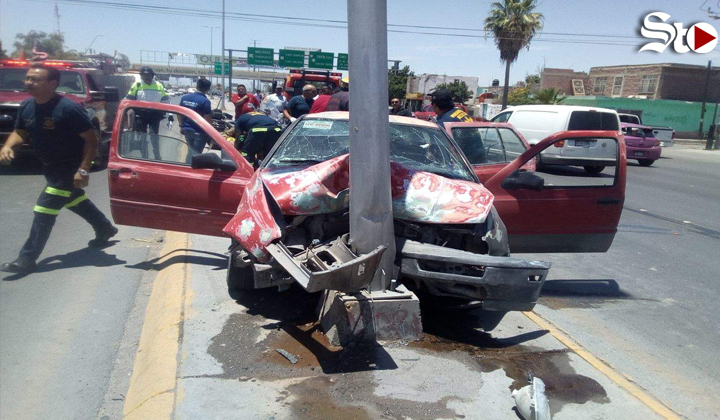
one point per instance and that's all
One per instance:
(639, 154)
(582, 143)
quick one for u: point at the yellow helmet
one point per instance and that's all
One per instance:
(345, 81)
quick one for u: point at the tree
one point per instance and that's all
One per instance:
(397, 82)
(459, 89)
(513, 24)
(3, 54)
(532, 79)
(519, 96)
(51, 44)
(550, 96)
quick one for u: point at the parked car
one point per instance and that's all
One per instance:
(536, 122)
(289, 220)
(641, 144)
(666, 135)
(488, 146)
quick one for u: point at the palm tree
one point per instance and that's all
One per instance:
(549, 96)
(513, 24)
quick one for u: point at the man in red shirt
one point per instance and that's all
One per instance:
(321, 100)
(244, 102)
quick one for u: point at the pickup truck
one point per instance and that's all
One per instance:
(666, 135)
(96, 91)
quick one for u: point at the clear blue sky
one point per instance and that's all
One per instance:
(131, 31)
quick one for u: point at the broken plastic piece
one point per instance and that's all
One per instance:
(531, 402)
(288, 356)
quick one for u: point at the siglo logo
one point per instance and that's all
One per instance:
(700, 38)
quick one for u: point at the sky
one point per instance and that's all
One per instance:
(130, 31)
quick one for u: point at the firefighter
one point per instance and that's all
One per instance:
(65, 141)
(444, 107)
(261, 133)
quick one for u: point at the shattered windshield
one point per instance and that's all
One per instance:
(421, 148)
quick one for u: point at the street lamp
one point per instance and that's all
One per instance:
(211, 36)
(93, 41)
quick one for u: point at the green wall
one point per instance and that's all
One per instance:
(682, 116)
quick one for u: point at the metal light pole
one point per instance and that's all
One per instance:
(222, 64)
(705, 92)
(371, 218)
(255, 41)
(211, 36)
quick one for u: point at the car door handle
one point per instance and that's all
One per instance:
(607, 201)
(119, 171)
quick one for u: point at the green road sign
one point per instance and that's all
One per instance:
(292, 58)
(217, 68)
(342, 63)
(260, 56)
(321, 60)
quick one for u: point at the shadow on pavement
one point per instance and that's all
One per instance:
(86, 257)
(608, 288)
(219, 261)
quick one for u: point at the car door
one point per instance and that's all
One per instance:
(489, 147)
(563, 209)
(152, 183)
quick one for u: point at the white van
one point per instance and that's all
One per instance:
(537, 122)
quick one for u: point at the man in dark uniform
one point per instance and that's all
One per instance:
(341, 100)
(65, 141)
(444, 107)
(261, 133)
(396, 109)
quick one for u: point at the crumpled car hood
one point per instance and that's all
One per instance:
(324, 188)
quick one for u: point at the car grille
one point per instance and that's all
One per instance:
(8, 115)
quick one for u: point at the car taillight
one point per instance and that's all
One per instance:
(559, 144)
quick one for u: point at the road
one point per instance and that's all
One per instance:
(69, 333)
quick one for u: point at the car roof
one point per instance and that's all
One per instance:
(567, 108)
(345, 115)
(631, 125)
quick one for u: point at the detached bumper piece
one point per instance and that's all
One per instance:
(501, 283)
(331, 266)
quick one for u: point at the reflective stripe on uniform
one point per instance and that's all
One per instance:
(41, 209)
(55, 191)
(258, 129)
(278, 129)
(76, 201)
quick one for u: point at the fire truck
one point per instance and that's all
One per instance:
(97, 83)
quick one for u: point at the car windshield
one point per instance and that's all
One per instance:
(415, 147)
(13, 80)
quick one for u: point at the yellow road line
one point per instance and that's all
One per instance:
(604, 368)
(151, 394)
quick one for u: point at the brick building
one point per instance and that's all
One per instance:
(561, 79)
(680, 82)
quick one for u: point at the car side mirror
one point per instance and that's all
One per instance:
(211, 160)
(523, 180)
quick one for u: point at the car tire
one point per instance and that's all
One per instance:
(240, 278)
(593, 169)
(645, 162)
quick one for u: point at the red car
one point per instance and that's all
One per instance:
(488, 146)
(288, 219)
(427, 112)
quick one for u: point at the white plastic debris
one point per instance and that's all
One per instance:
(531, 402)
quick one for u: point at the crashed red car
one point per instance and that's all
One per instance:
(289, 221)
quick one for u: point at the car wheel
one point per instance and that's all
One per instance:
(594, 169)
(645, 162)
(240, 278)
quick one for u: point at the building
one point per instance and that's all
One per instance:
(562, 80)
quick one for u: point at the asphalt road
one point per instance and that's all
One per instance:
(61, 328)
(649, 306)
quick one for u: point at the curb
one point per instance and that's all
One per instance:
(152, 389)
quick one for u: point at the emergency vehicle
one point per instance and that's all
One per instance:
(97, 83)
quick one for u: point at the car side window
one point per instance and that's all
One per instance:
(470, 140)
(493, 146)
(91, 83)
(503, 117)
(160, 136)
(514, 147)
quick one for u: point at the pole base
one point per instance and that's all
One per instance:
(370, 316)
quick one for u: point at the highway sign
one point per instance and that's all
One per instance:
(217, 68)
(260, 56)
(292, 58)
(342, 63)
(321, 60)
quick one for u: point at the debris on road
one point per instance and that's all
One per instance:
(288, 356)
(531, 402)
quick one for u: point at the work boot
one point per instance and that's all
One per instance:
(103, 235)
(19, 266)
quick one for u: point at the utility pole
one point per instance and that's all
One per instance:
(371, 216)
(705, 92)
(255, 41)
(222, 64)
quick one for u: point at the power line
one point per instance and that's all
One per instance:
(329, 23)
